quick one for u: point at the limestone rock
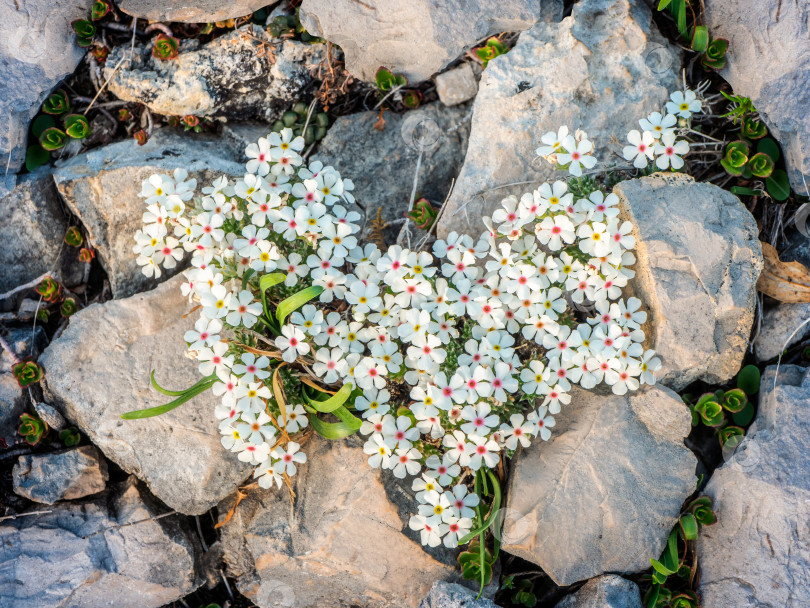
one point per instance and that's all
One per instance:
(778, 324)
(101, 187)
(608, 591)
(699, 259)
(452, 595)
(99, 368)
(50, 416)
(74, 473)
(199, 11)
(83, 554)
(25, 343)
(600, 70)
(416, 38)
(769, 61)
(37, 50)
(12, 404)
(234, 76)
(32, 229)
(457, 85)
(604, 492)
(382, 163)
(757, 554)
(341, 544)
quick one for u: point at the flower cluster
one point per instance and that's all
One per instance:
(444, 360)
(656, 142)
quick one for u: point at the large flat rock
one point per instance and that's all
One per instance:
(99, 368)
(698, 261)
(600, 70)
(604, 492)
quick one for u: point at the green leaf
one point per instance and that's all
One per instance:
(169, 393)
(778, 185)
(296, 301)
(734, 400)
(334, 402)
(52, 139)
(493, 512)
(689, 526)
(748, 380)
(661, 568)
(761, 165)
(42, 122)
(744, 417)
(769, 146)
(266, 282)
(192, 392)
(700, 39)
(35, 157)
(76, 126)
(743, 191)
(651, 599)
(348, 425)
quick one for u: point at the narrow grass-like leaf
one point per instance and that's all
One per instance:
(266, 282)
(169, 393)
(493, 512)
(162, 409)
(334, 402)
(348, 424)
(296, 301)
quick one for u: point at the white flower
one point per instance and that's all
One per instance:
(287, 458)
(649, 365)
(684, 104)
(443, 469)
(216, 302)
(484, 451)
(296, 418)
(244, 310)
(552, 141)
(542, 421)
(205, 333)
(519, 431)
(423, 485)
(252, 453)
(250, 398)
(291, 343)
(578, 154)
(255, 428)
(431, 529)
(252, 368)
(657, 124)
(379, 450)
(670, 151)
(372, 402)
(329, 364)
(641, 148)
(405, 462)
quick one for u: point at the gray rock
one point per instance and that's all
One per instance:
(199, 11)
(600, 70)
(340, 546)
(12, 404)
(32, 230)
(603, 494)
(778, 323)
(74, 473)
(699, 259)
(25, 343)
(85, 554)
(757, 554)
(37, 50)
(769, 61)
(101, 187)
(99, 368)
(452, 595)
(457, 85)
(604, 592)
(382, 163)
(239, 75)
(50, 416)
(415, 38)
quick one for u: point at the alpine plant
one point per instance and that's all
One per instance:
(444, 361)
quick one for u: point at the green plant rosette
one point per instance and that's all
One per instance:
(761, 165)
(753, 128)
(77, 126)
(715, 56)
(56, 104)
(26, 373)
(85, 31)
(735, 158)
(99, 10)
(165, 47)
(52, 139)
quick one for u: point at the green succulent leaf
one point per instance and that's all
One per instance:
(35, 157)
(57, 103)
(76, 126)
(42, 122)
(84, 29)
(761, 165)
(689, 526)
(735, 158)
(99, 10)
(744, 417)
(412, 99)
(711, 412)
(730, 436)
(748, 380)
(778, 185)
(769, 146)
(753, 128)
(52, 139)
(734, 400)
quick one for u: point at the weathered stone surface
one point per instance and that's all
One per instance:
(242, 74)
(84, 554)
(74, 473)
(699, 259)
(604, 492)
(32, 229)
(12, 404)
(37, 50)
(382, 163)
(415, 38)
(457, 85)
(186, 11)
(99, 368)
(769, 61)
(101, 187)
(25, 343)
(50, 416)
(341, 545)
(604, 592)
(600, 70)
(757, 555)
(452, 595)
(778, 323)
